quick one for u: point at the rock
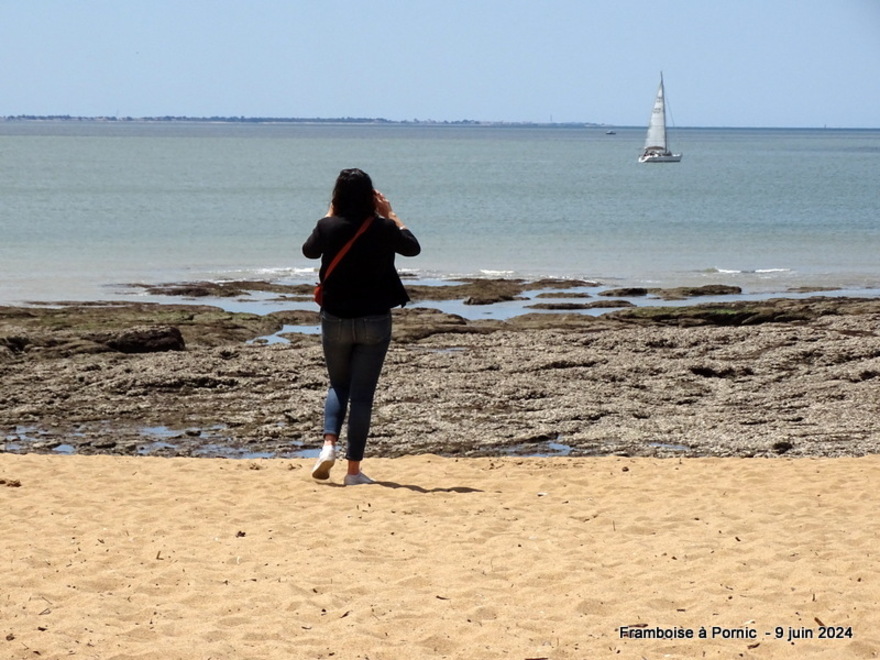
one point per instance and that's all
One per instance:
(719, 371)
(228, 289)
(15, 343)
(104, 444)
(563, 294)
(145, 339)
(782, 446)
(70, 329)
(631, 292)
(745, 312)
(414, 324)
(553, 283)
(479, 291)
(680, 293)
(812, 289)
(189, 291)
(488, 300)
(569, 306)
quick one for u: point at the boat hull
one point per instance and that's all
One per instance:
(660, 158)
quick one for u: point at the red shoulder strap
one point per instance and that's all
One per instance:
(345, 248)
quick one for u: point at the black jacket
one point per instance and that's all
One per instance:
(365, 282)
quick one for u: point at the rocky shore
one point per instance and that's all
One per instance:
(767, 378)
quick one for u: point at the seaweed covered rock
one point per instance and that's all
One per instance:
(143, 339)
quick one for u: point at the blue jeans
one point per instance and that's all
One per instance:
(354, 350)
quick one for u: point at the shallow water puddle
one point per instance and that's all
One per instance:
(278, 338)
(539, 450)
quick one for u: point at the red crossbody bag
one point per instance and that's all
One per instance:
(319, 289)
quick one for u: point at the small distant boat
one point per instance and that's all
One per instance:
(656, 149)
(610, 132)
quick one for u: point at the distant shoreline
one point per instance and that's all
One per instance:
(379, 121)
(297, 120)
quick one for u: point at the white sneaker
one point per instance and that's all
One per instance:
(326, 460)
(357, 479)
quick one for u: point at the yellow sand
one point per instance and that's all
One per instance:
(112, 558)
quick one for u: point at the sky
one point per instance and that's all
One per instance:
(767, 63)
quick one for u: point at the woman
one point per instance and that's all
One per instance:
(356, 310)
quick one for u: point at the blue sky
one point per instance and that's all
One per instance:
(734, 63)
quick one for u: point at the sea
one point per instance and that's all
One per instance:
(89, 208)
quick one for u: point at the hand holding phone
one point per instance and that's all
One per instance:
(383, 208)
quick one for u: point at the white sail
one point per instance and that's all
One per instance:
(656, 138)
(656, 149)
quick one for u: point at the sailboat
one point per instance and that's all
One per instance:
(656, 150)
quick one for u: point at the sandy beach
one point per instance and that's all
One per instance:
(117, 558)
(667, 483)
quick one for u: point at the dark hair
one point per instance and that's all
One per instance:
(353, 195)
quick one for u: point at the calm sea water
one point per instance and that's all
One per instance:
(88, 206)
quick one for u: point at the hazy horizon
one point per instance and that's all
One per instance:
(401, 122)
